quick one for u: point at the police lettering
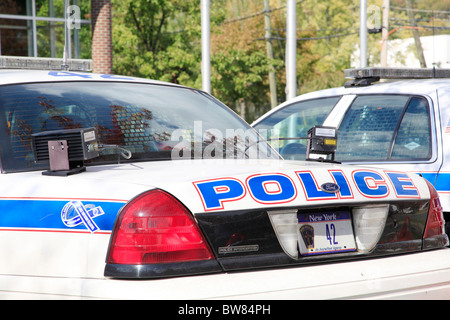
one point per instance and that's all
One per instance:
(312, 189)
(370, 184)
(277, 188)
(215, 192)
(271, 188)
(403, 186)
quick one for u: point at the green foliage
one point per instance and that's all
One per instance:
(157, 39)
(52, 33)
(239, 78)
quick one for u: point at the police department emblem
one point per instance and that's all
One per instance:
(307, 233)
(75, 213)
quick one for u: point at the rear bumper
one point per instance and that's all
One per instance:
(424, 275)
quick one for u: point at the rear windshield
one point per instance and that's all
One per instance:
(153, 122)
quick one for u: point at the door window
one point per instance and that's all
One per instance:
(294, 121)
(385, 127)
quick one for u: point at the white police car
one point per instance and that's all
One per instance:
(400, 125)
(117, 187)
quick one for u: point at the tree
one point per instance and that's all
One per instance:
(157, 39)
(238, 59)
(328, 37)
(161, 39)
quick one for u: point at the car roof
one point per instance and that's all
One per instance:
(417, 86)
(420, 86)
(16, 76)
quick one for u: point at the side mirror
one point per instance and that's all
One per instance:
(322, 141)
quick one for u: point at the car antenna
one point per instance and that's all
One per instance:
(65, 64)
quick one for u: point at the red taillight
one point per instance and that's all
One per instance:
(435, 222)
(156, 228)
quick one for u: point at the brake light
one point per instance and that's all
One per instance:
(156, 228)
(435, 221)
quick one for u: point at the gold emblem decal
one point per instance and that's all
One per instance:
(307, 233)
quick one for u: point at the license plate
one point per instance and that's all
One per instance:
(325, 232)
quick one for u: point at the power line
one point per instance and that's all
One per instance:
(319, 30)
(420, 10)
(422, 26)
(312, 38)
(257, 14)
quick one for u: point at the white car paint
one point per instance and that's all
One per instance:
(62, 264)
(65, 263)
(424, 275)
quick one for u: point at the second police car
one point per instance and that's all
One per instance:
(118, 187)
(400, 124)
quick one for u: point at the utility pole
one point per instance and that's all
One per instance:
(416, 35)
(272, 80)
(384, 32)
(363, 33)
(206, 55)
(291, 50)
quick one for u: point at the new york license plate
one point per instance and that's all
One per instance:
(325, 232)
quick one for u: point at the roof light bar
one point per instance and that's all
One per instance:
(30, 63)
(396, 73)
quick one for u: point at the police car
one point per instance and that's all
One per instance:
(402, 123)
(118, 187)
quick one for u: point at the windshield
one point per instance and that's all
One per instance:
(154, 122)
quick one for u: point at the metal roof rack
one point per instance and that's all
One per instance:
(366, 76)
(30, 63)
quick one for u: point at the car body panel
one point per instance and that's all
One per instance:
(8, 77)
(409, 276)
(38, 229)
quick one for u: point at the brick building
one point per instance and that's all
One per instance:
(35, 28)
(101, 36)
